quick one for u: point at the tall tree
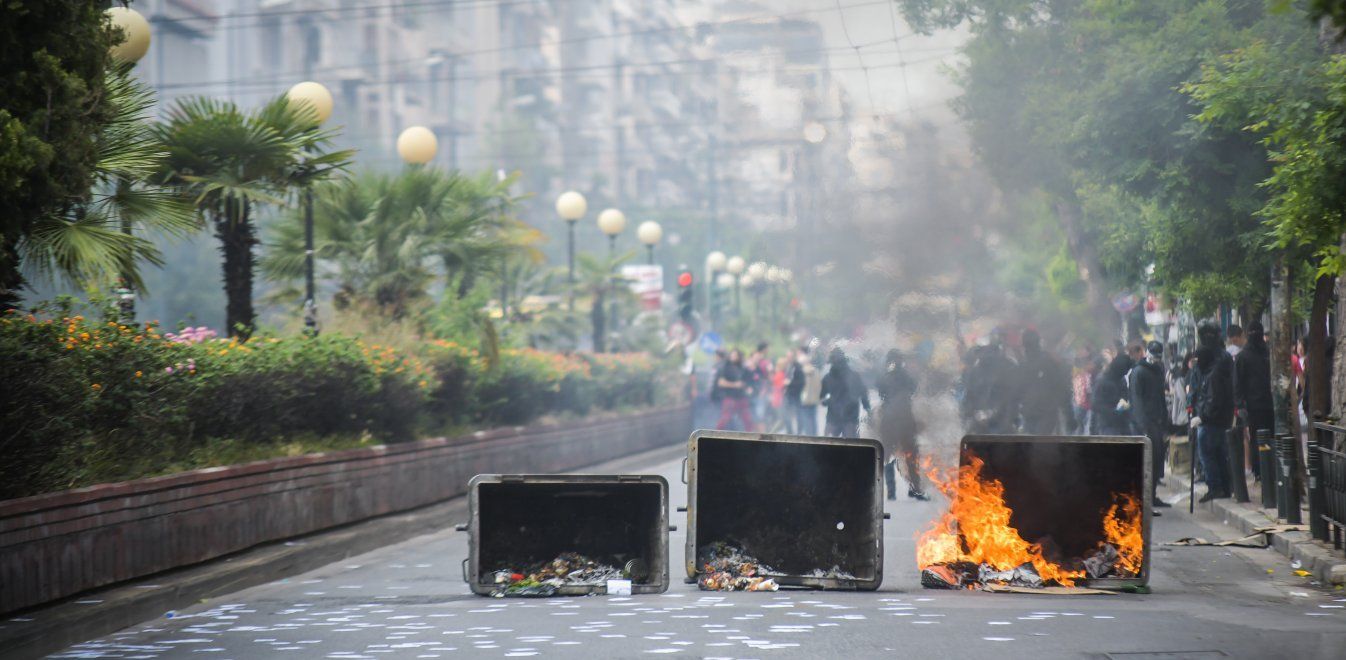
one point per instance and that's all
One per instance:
(102, 238)
(599, 279)
(232, 162)
(387, 238)
(53, 56)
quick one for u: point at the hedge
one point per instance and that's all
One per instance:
(87, 401)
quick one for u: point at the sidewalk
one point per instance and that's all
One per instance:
(1318, 558)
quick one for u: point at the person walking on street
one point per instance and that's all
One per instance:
(1215, 410)
(843, 394)
(1109, 399)
(898, 427)
(988, 404)
(805, 388)
(1252, 389)
(734, 383)
(759, 372)
(1149, 411)
(1044, 390)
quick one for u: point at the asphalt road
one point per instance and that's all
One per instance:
(409, 601)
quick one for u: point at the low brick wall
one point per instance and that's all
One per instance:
(59, 544)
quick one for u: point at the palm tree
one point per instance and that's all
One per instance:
(598, 277)
(101, 238)
(233, 162)
(388, 238)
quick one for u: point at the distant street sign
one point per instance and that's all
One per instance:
(1125, 302)
(710, 342)
(647, 282)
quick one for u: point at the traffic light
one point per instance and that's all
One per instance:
(685, 296)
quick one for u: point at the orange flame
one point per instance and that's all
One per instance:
(1122, 528)
(976, 528)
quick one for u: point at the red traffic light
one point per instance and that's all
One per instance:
(685, 279)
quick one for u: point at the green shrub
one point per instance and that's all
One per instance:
(88, 402)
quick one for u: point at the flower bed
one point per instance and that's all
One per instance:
(88, 401)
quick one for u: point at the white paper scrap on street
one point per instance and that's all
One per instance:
(619, 587)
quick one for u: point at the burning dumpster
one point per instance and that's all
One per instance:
(542, 535)
(775, 510)
(1034, 511)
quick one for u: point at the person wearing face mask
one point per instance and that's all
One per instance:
(843, 394)
(898, 426)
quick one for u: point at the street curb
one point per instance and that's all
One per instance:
(70, 622)
(1314, 556)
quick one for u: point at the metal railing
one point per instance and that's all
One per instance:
(1326, 468)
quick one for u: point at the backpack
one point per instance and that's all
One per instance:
(813, 387)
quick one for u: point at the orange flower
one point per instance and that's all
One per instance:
(139, 374)
(96, 386)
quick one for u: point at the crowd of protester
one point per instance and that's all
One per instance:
(788, 395)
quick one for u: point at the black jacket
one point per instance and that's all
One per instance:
(1043, 393)
(1252, 378)
(1216, 404)
(1109, 388)
(843, 393)
(1149, 409)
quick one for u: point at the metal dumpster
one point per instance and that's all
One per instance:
(619, 520)
(1057, 487)
(800, 505)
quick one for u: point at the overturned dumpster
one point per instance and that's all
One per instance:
(1037, 511)
(768, 510)
(543, 535)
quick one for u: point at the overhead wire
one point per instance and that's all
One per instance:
(290, 76)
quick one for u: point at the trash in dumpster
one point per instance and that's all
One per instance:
(545, 578)
(1101, 563)
(727, 568)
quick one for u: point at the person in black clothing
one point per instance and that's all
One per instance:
(897, 425)
(1149, 410)
(1252, 387)
(734, 384)
(989, 400)
(843, 393)
(1043, 390)
(1214, 410)
(1109, 390)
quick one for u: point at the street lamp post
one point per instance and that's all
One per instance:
(611, 222)
(735, 266)
(317, 101)
(137, 32)
(649, 233)
(571, 206)
(714, 263)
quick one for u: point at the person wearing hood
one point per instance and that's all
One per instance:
(1252, 387)
(989, 402)
(1149, 411)
(1214, 411)
(897, 425)
(1044, 390)
(843, 394)
(1109, 399)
